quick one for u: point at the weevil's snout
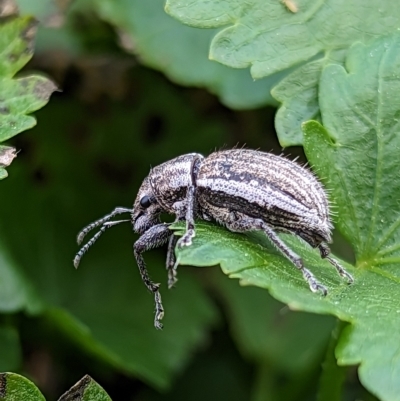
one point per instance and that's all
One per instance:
(146, 210)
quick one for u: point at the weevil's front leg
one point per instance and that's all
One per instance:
(170, 262)
(244, 224)
(152, 238)
(325, 251)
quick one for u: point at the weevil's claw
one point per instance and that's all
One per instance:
(158, 325)
(159, 308)
(348, 277)
(317, 287)
(314, 285)
(340, 269)
(323, 289)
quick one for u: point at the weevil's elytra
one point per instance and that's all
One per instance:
(242, 189)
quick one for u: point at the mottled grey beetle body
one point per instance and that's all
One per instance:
(279, 191)
(242, 189)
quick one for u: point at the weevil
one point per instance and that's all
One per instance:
(241, 189)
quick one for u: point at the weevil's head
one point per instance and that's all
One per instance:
(146, 210)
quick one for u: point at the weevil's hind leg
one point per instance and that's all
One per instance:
(98, 223)
(170, 262)
(325, 251)
(152, 238)
(244, 224)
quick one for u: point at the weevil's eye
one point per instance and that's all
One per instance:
(145, 202)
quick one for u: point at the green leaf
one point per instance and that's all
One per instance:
(7, 155)
(298, 94)
(272, 36)
(278, 340)
(267, 331)
(85, 390)
(18, 96)
(22, 96)
(43, 10)
(357, 155)
(10, 349)
(14, 387)
(180, 52)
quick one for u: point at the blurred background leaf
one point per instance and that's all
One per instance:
(273, 36)
(24, 95)
(14, 387)
(85, 390)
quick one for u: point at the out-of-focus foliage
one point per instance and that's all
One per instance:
(273, 35)
(14, 387)
(19, 96)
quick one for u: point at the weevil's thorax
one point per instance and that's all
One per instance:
(265, 186)
(169, 181)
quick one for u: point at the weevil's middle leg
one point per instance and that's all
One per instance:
(325, 251)
(244, 224)
(170, 261)
(152, 238)
(186, 239)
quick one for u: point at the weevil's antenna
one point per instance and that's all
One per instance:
(97, 223)
(95, 237)
(105, 223)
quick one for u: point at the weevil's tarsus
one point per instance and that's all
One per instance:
(159, 314)
(313, 283)
(172, 278)
(342, 272)
(325, 254)
(98, 223)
